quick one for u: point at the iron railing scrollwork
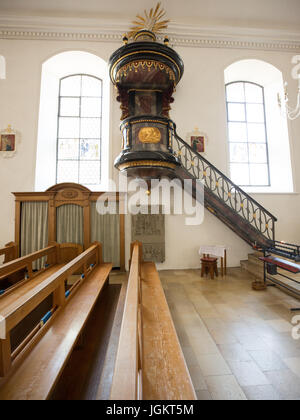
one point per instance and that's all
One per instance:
(286, 250)
(219, 184)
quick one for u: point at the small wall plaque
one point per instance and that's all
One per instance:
(8, 142)
(197, 140)
(150, 230)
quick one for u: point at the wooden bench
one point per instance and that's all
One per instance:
(20, 271)
(281, 263)
(15, 282)
(38, 374)
(127, 379)
(10, 252)
(54, 286)
(150, 364)
(165, 374)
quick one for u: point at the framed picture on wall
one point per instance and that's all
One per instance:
(8, 142)
(198, 143)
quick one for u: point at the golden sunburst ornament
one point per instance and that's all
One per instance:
(151, 21)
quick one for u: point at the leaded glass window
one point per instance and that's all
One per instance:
(79, 130)
(247, 134)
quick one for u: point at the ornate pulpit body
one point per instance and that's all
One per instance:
(145, 73)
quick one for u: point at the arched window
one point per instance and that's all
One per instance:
(79, 130)
(2, 67)
(73, 130)
(247, 134)
(258, 136)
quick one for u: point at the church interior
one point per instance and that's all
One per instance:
(149, 237)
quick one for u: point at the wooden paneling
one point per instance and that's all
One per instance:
(68, 252)
(5, 359)
(17, 225)
(10, 252)
(69, 193)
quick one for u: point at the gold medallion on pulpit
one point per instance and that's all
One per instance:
(149, 135)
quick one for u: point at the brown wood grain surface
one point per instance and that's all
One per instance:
(35, 378)
(165, 374)
(125, 383)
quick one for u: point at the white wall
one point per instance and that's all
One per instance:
(199, 100)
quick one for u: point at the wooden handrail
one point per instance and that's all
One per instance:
(127, 384)
(14, 313)
(10, 252)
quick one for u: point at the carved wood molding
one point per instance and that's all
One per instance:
(70, 193)
(97, 30)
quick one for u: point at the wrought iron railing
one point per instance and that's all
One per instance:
(219, 184)
(286, 250)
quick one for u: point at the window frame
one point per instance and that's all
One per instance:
(2, 67)
(245, 82)
(80, 138)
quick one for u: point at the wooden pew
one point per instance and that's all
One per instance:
(40, 362)
(127, 384)
(150, 364)
(68, 251)
(165, 374)
(19, 271)
(16, 282)
(10, 252)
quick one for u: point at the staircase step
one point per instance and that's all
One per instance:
(255, 260)
(258, 253)
(253, 269)
(282, 283)
(256, 264)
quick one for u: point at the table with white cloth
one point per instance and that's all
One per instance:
(217, 251)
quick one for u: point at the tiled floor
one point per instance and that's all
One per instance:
(237, 342)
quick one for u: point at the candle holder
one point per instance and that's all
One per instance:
(290, 112)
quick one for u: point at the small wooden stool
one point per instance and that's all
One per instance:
(209, 265)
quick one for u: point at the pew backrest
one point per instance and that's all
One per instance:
(10, 252)
(37, 375)
(20, 270)
(54, 285)
(149, 363)
(165, 373)
(126, 383)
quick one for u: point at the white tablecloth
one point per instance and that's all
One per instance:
(215, 250)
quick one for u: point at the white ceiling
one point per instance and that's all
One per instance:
(269, 14)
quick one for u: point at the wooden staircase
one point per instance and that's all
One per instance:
(224, 199)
